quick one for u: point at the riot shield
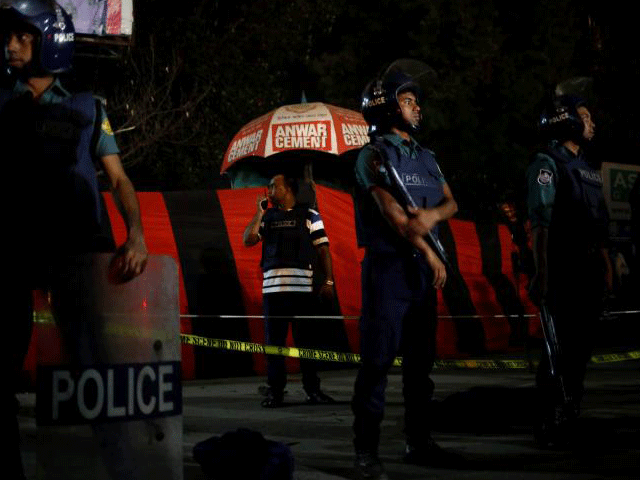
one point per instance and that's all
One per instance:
(109, 405)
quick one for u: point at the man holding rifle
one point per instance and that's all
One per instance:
(400, 272)
(569, 225)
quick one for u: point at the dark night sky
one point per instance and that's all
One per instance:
(233, 61)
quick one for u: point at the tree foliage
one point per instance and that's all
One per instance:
(200, 69)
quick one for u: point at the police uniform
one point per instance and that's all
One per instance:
(54, 143)
(49, 147)
(398, 299)
(565, 196)
(289, 238)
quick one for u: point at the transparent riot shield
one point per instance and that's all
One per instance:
(109, 401)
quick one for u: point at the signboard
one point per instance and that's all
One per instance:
(618, 179)
(100, 17)
(110, 407)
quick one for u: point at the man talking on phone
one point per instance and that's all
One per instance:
(290, 233)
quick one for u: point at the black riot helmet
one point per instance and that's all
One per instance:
(380, 107)
(560, 119)
(55, 42)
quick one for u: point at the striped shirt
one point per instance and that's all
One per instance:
(288, 279)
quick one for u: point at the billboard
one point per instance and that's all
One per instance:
(618, 179)
(100, 17)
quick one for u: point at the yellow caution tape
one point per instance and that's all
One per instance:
(341, 357)
(324, 355)
(615, 357)
(329, 356)
(249, 347)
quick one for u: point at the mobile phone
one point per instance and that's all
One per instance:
(264, 204)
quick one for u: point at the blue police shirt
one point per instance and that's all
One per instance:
(106, 144)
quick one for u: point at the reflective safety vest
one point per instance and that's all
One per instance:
(422, 178)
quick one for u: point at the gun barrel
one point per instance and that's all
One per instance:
(553, 349)
(431, 238)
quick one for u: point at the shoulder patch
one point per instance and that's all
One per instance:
(106, 127)
(545, 176)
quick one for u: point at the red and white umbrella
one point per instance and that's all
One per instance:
(306, 126)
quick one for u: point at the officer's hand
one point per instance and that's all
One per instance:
(439, 270)
(422, 220)
(129, 260)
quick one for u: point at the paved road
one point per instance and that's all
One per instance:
(484, 415)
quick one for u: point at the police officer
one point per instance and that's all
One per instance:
(400, 271)
(569, 228)
(290, 233)
(51, 140)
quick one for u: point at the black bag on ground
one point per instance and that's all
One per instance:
(244, 454)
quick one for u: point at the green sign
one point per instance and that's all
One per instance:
(621, 182)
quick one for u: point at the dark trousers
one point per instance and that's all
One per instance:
(575, 304)
(398, 316)
(289, 304)
(32, 269)
(17, 331)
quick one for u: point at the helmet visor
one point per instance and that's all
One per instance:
(29, 8)
(422, 78)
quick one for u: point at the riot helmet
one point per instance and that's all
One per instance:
(55, 43)
(560, 119)
(380, 107)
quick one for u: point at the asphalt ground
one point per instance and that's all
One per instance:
(484, 415)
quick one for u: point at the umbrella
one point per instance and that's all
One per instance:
(305, 127)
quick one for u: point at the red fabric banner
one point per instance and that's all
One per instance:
(238, 207)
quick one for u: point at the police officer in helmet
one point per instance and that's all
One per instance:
(569, 226)
(400, 271)
(51, 140)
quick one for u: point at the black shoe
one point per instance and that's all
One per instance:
(318, 396)
(273, 399)
(368, 466)
(430, 454)
(557, 429)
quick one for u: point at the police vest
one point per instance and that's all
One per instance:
(579, 220)
(49, 148)
(286, 242)
(421, 177)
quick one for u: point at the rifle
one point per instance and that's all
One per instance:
(431, 239)
(554, 353)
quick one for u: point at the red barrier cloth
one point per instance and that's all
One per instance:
(238, 207)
